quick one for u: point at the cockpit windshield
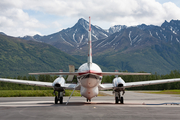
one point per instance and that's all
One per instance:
(90, 76)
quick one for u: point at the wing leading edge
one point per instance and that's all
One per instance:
(137, 84)
(38, 83)
(152, 82)
(79, 73)
(26, 82)
(123, 73)
(54, 73)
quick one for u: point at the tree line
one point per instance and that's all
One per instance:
(106, 79)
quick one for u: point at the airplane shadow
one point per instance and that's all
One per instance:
(103, 103)
(89, 104)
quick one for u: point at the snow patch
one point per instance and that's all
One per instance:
(135, 38)
(158, 35)
(105, 44)
(113, 39)
(100, 43)
(104, 34)
(82, 36)
(130, 37)
(97, 27)
(174, 32)
(171, 28)
(150, 33)
(116, 28)
(177, 40)
(85, 25)
(74, 36)
(66, 41)
(94, 36)
(164, 36)
(139, 40)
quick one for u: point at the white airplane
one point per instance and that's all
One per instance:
(89, 76)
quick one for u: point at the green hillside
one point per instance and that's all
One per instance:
(154, 59)
(148, 60)
(19, 57)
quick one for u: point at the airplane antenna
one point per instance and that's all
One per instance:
(90, 46)
(60, 71)
(117, 72)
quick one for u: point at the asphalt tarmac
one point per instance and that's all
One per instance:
(137, 106)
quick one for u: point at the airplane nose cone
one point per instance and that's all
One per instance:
(89, 82)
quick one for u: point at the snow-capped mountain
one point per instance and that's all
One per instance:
(116, 28)
(172, 26)
(72, 38)
(142, 47)
(141, 36)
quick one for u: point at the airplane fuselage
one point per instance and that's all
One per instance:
(89, 80)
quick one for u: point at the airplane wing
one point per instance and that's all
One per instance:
(99, 73)
(123, 73)
(137, 84)
(27, 82)
(38, 83)
(152, 82)
(54, 73)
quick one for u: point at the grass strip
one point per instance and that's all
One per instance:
(163, 92)
(33, 93)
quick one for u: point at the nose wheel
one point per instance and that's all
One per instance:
(88, 100)
(119, 97)
(59, 98)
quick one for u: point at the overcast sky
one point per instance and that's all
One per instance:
(44, 17)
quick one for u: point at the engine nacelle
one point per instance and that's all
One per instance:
(58, 83)
(119, 83)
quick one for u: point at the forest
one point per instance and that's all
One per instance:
(106, 79)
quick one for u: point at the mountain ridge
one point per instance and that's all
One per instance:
(74, 39)
(122, 45)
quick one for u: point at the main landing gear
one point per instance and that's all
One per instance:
(88, 100)
(59, 97)
(119, 97)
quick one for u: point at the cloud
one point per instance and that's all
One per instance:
(128, 12)
(172, 11)
(14, 14)
(15, 22)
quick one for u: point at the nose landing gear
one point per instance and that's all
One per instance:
(59, 97)
(119, 97)
(88, 100)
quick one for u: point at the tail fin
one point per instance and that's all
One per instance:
(90, 46)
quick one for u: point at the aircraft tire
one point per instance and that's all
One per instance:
(61, 100)
(116, 100)
(56, 100)
(122, 100)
